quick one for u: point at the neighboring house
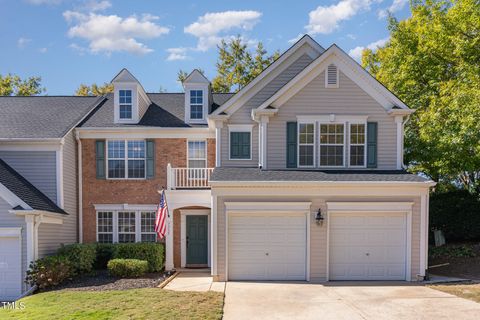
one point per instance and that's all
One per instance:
(298, 176)
(38, 181)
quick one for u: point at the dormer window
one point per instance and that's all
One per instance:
(196, 104)
(125, 104)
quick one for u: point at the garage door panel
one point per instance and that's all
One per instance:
(367, 246)
(267, 247)
(10, 268)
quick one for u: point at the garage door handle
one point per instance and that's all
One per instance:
(266, 253)
(367, 254)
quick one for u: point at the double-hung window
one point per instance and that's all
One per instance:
(357, 145)
(240, 145)
(126, 159)
(125, 104)
(196, 104)
(306, 144)
(126, 226)
(105, 226)
(332, 145)
(147, 221)
(197, 154)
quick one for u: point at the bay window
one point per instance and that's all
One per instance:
(105, 227)
(126, 226)
(147, 220)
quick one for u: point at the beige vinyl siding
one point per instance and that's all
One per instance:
(38, 167)
(8, 219)
(142, 106)
(50, 236)
(318, 234)
(315, 99)
(243, 115)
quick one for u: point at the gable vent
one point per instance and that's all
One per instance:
(331, 80)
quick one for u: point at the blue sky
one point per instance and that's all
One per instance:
(68, 42)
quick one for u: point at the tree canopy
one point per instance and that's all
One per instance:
(94, 89)
(432, 63)
(13, 85)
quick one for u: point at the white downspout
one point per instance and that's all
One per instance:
(80, 186)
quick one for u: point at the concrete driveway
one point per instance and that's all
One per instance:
(270, 300)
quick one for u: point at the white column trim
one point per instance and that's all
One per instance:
(399, 122)
(80, 186)
(218, 144)
(262, 137)
(183, 233)
(213, 250)
(169, 243)
(423, 235)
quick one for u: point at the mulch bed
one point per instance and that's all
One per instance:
(101, 281)
(459, 267)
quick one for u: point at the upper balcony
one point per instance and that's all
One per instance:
(188, 178)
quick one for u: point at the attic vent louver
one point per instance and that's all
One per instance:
(331, 80)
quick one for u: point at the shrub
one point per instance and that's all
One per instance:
(49, 271)
(82, 256)
(457, 214)
(126, 268)
(148, 251)
(449, 251)
(105, 252)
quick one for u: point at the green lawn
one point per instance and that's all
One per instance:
(151, 303)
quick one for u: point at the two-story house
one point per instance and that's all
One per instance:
(38, 181)
(298, 176)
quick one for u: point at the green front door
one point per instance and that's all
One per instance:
(197, 240)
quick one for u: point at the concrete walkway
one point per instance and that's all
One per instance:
(194, 281)
(269, 300)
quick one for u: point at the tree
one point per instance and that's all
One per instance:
(94, 90)
(236, 66)
(432, 63)
(14, 85)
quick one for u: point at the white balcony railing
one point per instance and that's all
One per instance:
(188, 178)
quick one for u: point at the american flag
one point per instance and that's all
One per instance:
(161, 218)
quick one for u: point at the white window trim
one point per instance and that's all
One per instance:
(323, 144)
(197, 159)
(125, 104)
(204, 89)
(196, 104)
(116, 112)
(356, 144)
(138, 210)
(314, 144)
(126, 158)
(240, 128)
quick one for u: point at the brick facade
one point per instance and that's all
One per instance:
(101, 191)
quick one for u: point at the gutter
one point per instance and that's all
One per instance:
(428, 183)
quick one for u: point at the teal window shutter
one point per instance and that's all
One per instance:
(150, 159)
(100, 158)
(291, 144)
(372, 133)
(240, 145)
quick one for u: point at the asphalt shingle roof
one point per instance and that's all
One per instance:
(255, 174)
(23, 189)
(166, 110)
(38, 117)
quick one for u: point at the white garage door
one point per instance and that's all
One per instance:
(367, 246)
(267, 247)
(10, 268)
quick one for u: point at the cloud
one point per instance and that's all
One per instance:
(396, 6)
(111, 33)
(326, 19)
(177, 54)
(211, 28)
(47, 2)
(23, 42)
(356, 52)
(293, 40)
(43, 50)
(93, 5)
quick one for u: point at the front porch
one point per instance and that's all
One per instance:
(188, 240)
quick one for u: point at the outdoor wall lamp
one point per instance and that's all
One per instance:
(319, 217)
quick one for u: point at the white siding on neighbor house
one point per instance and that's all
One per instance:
(318, 234)
(8, 219)
(315, 99)
(38, 167)
(50, 236)
(243, 115)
